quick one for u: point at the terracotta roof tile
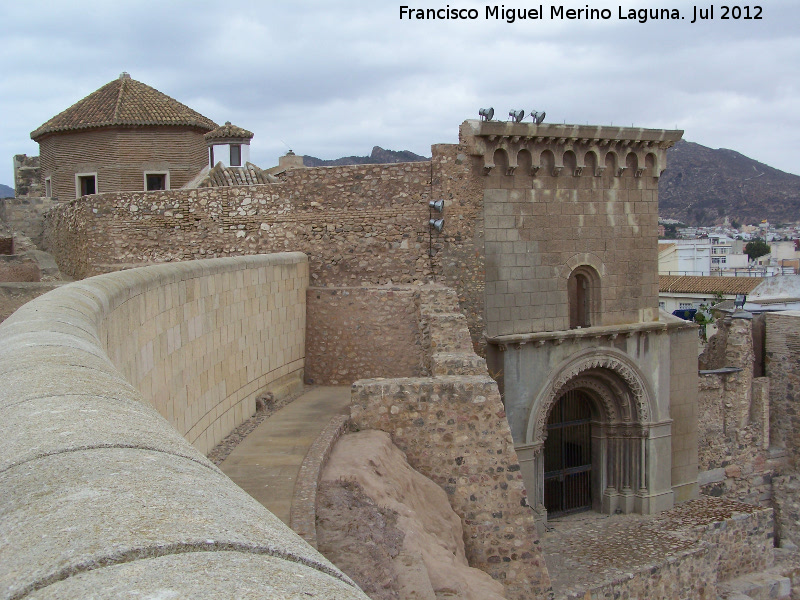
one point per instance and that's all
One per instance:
(229, 131)
(689, 284)
(124, 101)
(222, 176)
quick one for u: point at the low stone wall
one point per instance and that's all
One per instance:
(362, 332)
(728, 539)
(98, 491)
(453, 429)
(303, 517)
(744, 540)
(688, 575)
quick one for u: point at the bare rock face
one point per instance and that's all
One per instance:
(392, 529)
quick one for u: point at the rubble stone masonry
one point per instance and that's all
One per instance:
(359, 225)
(734, 419)
(362, 332)
(453, 429)
(26, 176)
(782, 366)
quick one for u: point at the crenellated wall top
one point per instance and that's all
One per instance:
(632, 149)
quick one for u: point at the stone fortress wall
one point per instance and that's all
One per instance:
(359, 225)
(368, 224)
(83, 445)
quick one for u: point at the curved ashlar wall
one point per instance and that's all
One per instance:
(102, 382)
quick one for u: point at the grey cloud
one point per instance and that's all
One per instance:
(333, 78)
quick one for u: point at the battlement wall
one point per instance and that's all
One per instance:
(102, 382)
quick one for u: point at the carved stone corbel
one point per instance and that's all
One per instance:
(638, 172)
(487, 168)
(535, 170)
(621, 170)
(557, 171)
(578, 171)
(510, 170)
(598, 171)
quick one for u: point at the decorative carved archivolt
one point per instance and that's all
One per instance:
(616, 401)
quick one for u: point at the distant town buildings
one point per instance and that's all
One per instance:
(720, 250)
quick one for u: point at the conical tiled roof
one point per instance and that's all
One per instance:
(124, 101)
(229, 132)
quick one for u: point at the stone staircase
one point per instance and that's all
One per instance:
(779, 582)
(765, 585)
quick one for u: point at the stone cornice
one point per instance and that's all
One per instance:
(607, 332)
(648, 146)
(570, 134)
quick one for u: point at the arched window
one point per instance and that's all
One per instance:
(583, 288)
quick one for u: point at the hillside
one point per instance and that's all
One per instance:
(6, 192)
(378, 156)
(702, 185)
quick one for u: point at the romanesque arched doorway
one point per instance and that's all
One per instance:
(589, 435)
(567, 455)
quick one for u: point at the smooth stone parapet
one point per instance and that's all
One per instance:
(101, 382)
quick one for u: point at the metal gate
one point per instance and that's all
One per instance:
(568, 456)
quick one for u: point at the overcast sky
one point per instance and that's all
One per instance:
(334, 78)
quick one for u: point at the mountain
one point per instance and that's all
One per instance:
(702, 186)
(6, 192)
(378, 156)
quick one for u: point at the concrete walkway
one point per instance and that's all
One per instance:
(265, 464)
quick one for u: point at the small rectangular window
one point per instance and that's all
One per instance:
(48, 188)
(87, 185)
(211, 157)
(236, 155)
(156, 181)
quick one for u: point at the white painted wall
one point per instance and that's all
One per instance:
(222, 153)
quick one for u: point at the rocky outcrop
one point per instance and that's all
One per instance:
(392, 529)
